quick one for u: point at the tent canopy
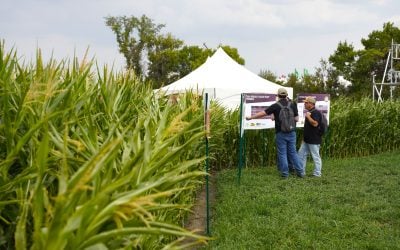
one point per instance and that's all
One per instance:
(224, 79)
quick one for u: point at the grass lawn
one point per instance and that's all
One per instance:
(354, 205)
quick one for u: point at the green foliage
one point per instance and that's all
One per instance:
(233, 53)
(380, 40)
(93, 159)
(268, 75)
(224, 139)
(359, 66)
(354, 205)
(362, 127)
(171, 61)
(157, 58)
(134, 37)
(343, 59)
(192, 57)
(163, 61)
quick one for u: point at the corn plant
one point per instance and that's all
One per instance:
(362, 127)
(93, 159)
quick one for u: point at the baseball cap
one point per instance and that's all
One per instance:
(282, 91)
(310, 99)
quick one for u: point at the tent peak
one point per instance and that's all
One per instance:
(225, 78)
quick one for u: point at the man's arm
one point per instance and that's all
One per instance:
(257, 115)
(313, 122)
(295, 111)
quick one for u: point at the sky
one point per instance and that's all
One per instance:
(275, 35)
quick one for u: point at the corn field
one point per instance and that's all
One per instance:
(356, 128)
(90, 158)
(94, 159)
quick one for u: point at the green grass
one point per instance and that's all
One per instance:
(355, 205)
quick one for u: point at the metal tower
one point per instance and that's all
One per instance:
(392, 76)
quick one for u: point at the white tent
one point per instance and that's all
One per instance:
(224, 79)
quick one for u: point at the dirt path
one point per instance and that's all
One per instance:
(197, 220)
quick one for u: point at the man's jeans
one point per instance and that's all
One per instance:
(313, 149)
(286, 146)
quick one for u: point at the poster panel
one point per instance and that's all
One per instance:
(256, 102)
(322, 104)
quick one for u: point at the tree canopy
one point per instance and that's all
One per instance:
(135, 36)
(158, 58)
(357, 66)
(161, 59)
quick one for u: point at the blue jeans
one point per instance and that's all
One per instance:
(312, 149)
(286, 147)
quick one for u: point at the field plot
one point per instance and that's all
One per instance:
(355, 205)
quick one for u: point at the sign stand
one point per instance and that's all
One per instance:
(207, 136)
(241, 136)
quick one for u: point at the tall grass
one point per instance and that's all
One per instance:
(93, 159)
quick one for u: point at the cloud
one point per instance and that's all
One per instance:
(270, 34)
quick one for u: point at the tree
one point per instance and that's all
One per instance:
(343, 59)
(381, 40)
(326, 77)
(372, 59)
(191, 57)
(158, 59)
(135, 37)
(268, 74)
(293, 81)
(359, 66)
(172, 63)
(233, 53)
(163, 60)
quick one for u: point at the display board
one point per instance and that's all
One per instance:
(256, 102)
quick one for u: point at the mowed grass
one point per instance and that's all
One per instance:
(355, 205)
